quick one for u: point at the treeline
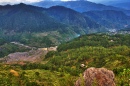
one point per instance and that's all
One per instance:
(2, 41)
(95, 50)
(26, 38)
(103, 40)
(63, 67)
(8, 48)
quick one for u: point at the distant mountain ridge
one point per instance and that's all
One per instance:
(26, 18)
(82, 6)
(73, 18)
(43, 27)
(22, 18)
(125, 4)
(109, 18)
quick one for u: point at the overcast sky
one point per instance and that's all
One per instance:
(17, 1)
(31, 1)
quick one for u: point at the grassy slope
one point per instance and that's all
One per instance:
(62, 68)
(101, 50)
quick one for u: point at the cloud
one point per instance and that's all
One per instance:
(2, 2)
(68, 0)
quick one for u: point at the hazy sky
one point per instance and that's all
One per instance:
(17, 1)
(31, 1)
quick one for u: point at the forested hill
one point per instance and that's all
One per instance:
(84, 6)
(80, 6)
(125, 4)
(75, 19)
(22, 18)
(28, 33)
(27, 18)
(109, 18)
(36, 26)
(63, 67)
(126, 29)
(103, 40)
(94, 50)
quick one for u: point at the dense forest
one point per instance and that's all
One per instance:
(36, 39)
(63, 67)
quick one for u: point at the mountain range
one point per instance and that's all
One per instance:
(36, 46)
(80, 6)
(84, 6)
(22, 17)
(72, 17)
(109, 18)
(125, 4)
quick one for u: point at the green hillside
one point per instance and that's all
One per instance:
(95, 50)
(109, 18)
(42, 27)
(63, 67)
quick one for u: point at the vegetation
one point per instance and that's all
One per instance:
(63, 67)
(36, 39)
(97, 40)
(126, 29)
(8, 48)
(47, 27)
(95, 50)
(14, 76)
(2, 41)
(109, 18)
(31, 39)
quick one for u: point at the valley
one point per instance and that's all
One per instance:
(53, 43)
(64, 65)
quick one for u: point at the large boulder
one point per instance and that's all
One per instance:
(96, 77)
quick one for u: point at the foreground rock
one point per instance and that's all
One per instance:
(96, 77)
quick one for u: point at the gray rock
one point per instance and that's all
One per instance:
(96, 77)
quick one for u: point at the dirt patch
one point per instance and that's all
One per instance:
(21, 57)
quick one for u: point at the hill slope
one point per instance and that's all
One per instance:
(23, 17)
(63, 67)
(125, 4)
(94, 50)
(80, 6)
(32, 25)
(75, 19)
(109, 18)
(84, 6)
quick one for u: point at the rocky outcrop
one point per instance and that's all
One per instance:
(96, 77)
